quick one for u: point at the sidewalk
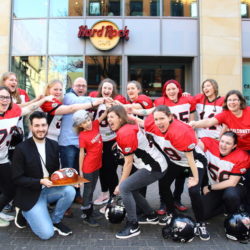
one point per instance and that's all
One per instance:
(103, 237)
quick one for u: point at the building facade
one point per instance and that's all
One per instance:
(156, 40)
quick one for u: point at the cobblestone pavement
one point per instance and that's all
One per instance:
(103, 237)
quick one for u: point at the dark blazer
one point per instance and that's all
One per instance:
(27, 171)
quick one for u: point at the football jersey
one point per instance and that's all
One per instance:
(54, 121)
(7, 124)
(106, 133)
(132, 140)
(181, 109)
(178, 139)
(205, 110)
(144, 101)
(221, 167)
(91, 141)
(239, 125)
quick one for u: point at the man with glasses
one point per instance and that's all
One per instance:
(68, 139)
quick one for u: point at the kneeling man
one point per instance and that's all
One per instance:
(34, 160)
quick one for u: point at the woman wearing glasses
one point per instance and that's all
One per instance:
(10, 114)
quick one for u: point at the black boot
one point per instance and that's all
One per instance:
(88, 217)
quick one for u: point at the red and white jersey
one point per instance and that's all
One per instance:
(144, 101)
(220, 168)
(105, 131)
(179, 138)
(181, 109)
(54, 121)
(205, 110)
(7, 123)
(132, 140)
(239, 125)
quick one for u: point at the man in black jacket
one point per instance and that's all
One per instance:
(34, 160)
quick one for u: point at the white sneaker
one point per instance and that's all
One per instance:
(102, 199)
(4, 223)
(6, 217)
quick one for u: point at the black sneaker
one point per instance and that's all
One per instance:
(149, 219)
(20, 221)
(130, 230)
(201, 231)
(166, 220)
(62, 229)
(90, 221)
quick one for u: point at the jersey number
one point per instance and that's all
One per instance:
(104, 122)
(4, 134)
(210, 116)
(183, 116)
(172, 154)
(216, 175)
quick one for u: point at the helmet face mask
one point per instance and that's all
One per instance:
(181, 229)
(237, 226)
(115, 211)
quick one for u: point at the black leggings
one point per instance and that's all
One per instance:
(166, 195)
(6, 185)
(228, 200)
(108, 174)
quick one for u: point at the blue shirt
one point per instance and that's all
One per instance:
(67, 134)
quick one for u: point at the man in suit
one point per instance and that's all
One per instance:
(34, 160)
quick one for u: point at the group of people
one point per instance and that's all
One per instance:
(161, 140)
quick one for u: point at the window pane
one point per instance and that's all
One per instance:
(104, 8)
(31, 73)
(153, 72)
(246, 80)
(65, 68)
(30, 8)
(142, 8)
(245, 9)
(66, 8)
(180, 8)
(101, 67)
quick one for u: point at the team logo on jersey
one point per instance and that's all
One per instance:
(145, 103)
(191, 146)
(243, 170)
(127, 150)
(54, 105)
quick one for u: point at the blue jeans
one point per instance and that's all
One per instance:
(69, 156)
(38, 217)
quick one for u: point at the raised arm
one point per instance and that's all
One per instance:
(33, 106)
(195, 179)
(206, 123)
(67, 109)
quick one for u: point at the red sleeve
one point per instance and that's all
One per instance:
(184, 140)
(121, 99)
(221, 117)
(93, 93)
(197, 98)
(192, 102)
(209, 143)
(241, 167)
(159, 101)
(23, 92)
(127, 141)
(50, 107)
(145, 101)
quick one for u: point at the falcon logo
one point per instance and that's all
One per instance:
(127, 150)
(145, 103)
(180, 226)
(54, 105)
(243, 170)
(246, 222)
(191, 146)
(69, 172)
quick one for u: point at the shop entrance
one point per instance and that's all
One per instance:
(153, 72)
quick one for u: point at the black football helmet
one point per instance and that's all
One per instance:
(115, 211)
(237, 226)
(180, 229)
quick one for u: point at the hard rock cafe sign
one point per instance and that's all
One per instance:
(104, 35)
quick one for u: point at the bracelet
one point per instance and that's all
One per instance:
(209, 187)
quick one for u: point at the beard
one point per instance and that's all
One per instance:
(40, 138)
